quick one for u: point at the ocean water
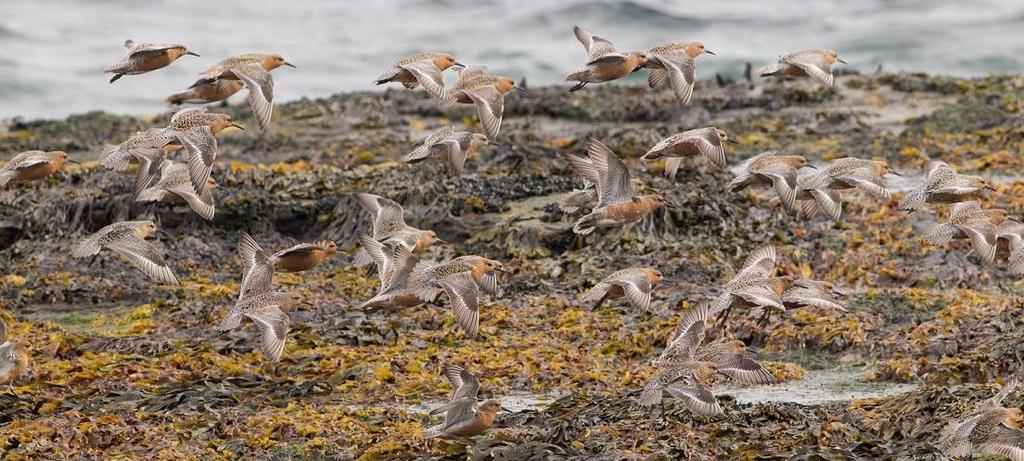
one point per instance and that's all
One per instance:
(52, 51)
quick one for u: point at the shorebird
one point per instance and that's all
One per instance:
(968, 220)
(447, 145)
(604, 62)
(487, 92)
(586, 197)
(145, 57)
(816, 64)
(988, 428)
(394, 267)
(13, 359)
(755, 284)
(635, 284)
(770, 168)
(175, 186)
(254, 71)
(128, 238)
(686, 369)
(1010, 236)
(203, 93)
(674, 65)
(708, 142)
(797, 294)
(195, 128)
(32, 165)
(617, 204)
(139, 147)
(296, 258)
(943, 184)
(389, 227)
(820, 191)
(461, 279)
(258, 301)
(463, 416)
(421, 69)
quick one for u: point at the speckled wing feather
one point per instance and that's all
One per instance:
(260, 84)
(273, 326)
(812, 62)
(463, 294)
(202, 151)
(637, 288)
(759, 263)
(1005, 441)
(598, 48)
(738, 366)
(464, 383)
(8, 358)
(783, 178)
(429, 77)
(257, 267)
(865, 180)
(996, 400)
(490, 105)
(144, 257)
(388, 215)
(584, 168)
(697, 397)
(954, 438)
(423, 150)
(688, 335)
(680, 74)
(982, 234)
(614, 186)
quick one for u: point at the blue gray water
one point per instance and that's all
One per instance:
(52, 51)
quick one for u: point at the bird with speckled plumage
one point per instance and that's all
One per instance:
(421, 69)
(32, 165)
(464, 417)
(674, 65)
(988, 428)
(815, 64)
(617, 203)
(128, 238)
(448, 145)
(253, 70)
(604, 62)
(146, 57)
(486, 91)
(13, 359)
(175, 187)
(707, 142)
(634, 284)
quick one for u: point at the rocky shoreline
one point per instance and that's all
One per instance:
(123, 367)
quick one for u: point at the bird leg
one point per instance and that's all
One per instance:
(579, 86)
(723, 317)
(93, 260)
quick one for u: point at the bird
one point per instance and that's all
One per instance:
(389, 227)
(708, 142)
(617, 204)
(476, 86)
(421, 69)
(635, 284)
(175, 186)
(140, 148)
(674, 65)
(128, 238)
(447, 145)
(254, 71)
(801, 293)
(604, 62)
(816, 64)
(1010, 234)
(461, 278)
(686, 369)
(988, 428)
(296, 258)
(968, 220)
(755, 284)
(203, 93)
(195, 128)
(13, 359)
(394, 267)
(463, 416)
(258, 301)
(573, 201)
(820, 191)
(146, 57)
(32, 165)
(942, 184)
(773, 169)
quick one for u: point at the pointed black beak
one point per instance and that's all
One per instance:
(990, 187)
(458, 64)
(811, 166)
(240, 127)
(733, 141)
(191, 54)
(502, 408)
(517, 87)
(496, 144)
(76, 162)
(709, 52)
(290, 64)
(896, 173)
(840, 60)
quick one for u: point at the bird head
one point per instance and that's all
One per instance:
(275, 60)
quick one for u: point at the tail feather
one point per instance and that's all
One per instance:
(433, 431)
(6, 177)
(87, 247)
(582, 74)
(585, 225)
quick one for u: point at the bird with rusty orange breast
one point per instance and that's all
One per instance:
(32, 165)
(815, 64)
(967, 220)
(175, 187)
(208, 92)
(464, 417)
(674, 65)
(707, 142)
(617, 203)
(254, 71)
(450, 146)
(128, 238)
(389, 227)
(578, 199)
(421, 69)
(146, 57)
(771, 168)
(13, 359)
(987, 428)
(461, 279)
(140, 148)
(634, 284)
(476, 86)
(394, 268)
(196, 129)
(604, 62)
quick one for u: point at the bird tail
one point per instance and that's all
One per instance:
(433, 431)
(582, 74)
(769, 70)
(114, 158)
(203, 81)
(912, 200)
(585, 225)
(148, 195)
(87, 247)
(651, 395)
(180, 97)
(6, 177)
(230, 321)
